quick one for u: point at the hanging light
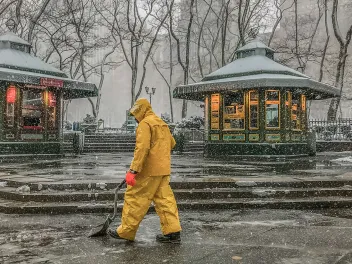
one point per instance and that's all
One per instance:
(11, 95)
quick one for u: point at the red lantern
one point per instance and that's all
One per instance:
(52, 99)
(11, 95)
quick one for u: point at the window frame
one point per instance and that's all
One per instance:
(279, 108)
(249, 111)
(299, 113)
(244, 113)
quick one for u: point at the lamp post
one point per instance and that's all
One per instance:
(152, 92)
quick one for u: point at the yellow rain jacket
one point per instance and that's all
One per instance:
(152, 161)
(154, 142)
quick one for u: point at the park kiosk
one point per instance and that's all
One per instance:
(31, 97)
(255, 105)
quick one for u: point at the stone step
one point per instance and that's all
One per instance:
(190, 184)
(110, 150)
(180, 194)
(15, 207)
(109, 144)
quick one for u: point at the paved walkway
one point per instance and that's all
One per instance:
(240, 237)
(111, 168)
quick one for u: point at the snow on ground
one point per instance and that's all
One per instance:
(343, 160)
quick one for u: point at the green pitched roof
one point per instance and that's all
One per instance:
(255, 68)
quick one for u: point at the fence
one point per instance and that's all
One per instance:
(340, 129)
(193, 135)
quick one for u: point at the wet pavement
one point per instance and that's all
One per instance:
(259, 236)
(192, 167)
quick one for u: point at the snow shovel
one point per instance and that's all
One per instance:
(100, 230)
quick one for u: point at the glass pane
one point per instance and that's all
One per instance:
(10, 114)
(254, 116)
(52, 124)
(272, 95)
(10, 106)
(253, 110)
(303, 115)
(234, 111)
(272, 115)
(32, 109)
(296, 113)
(287, 110)
(215, 110)
(272, 108)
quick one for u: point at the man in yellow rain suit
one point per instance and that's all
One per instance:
(149, 177)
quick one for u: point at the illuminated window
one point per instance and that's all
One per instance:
(234, 111)
(287, 111)
(254, 110)
(296, 113)
(10, 106)
(272, 109)
(52, 124)
(215, 112)
(303, 116)
(32, 109)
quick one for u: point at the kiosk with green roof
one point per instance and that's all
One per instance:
(256, 106)
(31, 95)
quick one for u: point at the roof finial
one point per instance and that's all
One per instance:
(11, 25)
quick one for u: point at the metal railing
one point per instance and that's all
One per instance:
(340, 129)
(192, 134)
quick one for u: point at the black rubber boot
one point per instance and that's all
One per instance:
(113, 233)
(174, 238)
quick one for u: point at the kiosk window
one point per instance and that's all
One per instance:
(10, 105)
(303, 116)
(234, 111)
(287, 111)
(296, 113)
(272, 108)
(32, 109)
(215, 111)
(253, 110)
(51, 101)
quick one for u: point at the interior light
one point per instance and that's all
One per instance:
(11, 95)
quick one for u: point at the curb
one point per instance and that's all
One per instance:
(183, 206)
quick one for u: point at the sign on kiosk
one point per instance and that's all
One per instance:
(51, 82)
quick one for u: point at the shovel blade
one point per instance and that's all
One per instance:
(100, 230)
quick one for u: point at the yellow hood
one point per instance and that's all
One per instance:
(141, 109)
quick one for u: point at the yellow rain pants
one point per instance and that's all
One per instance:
(138, 199)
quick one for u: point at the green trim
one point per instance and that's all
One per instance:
(273, 137)
(215, 137)
(234, 137)
(214, 149)
(253, 137)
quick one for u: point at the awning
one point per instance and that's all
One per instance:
(312, 89)
(72, 88)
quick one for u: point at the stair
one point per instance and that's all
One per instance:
(90, 198)
(194, 147)
(13, 207)
(109, 143)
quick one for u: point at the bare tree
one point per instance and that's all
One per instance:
(34, 20)
(185, 61)
(279, 15)
(344, 43)
(132, 25)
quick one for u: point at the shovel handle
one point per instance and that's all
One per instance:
(115, 199)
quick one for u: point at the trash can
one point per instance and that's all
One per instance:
(312, 142)
(78, 143)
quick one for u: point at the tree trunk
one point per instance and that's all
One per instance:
(340, 68)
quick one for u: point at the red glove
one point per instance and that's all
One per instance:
(130, 178)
